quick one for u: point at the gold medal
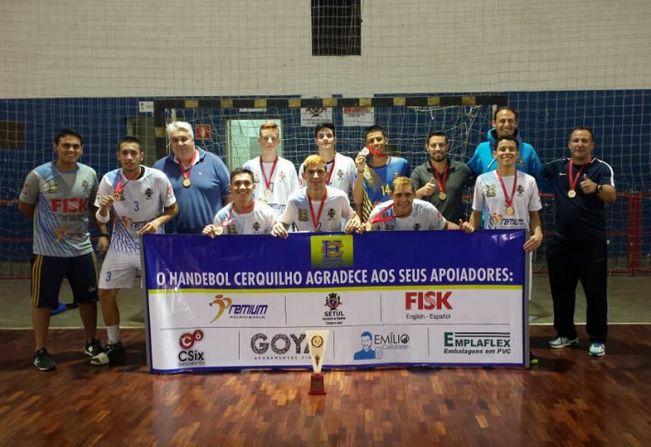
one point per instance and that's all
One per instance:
(442, 196)
(571, 194)
(267, 194)
(187, 182)
(117, 196)
(509, 211)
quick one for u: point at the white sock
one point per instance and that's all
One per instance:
(113, 333)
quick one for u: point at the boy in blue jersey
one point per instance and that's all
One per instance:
(376, 171)
(58, 197)
(140, 200)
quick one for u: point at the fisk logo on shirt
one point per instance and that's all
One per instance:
(70, 205)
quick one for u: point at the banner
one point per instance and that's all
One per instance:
(389, 298)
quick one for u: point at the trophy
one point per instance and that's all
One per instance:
(317, 341)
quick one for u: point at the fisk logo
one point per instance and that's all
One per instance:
(428, 300)
(70, 205)
(222, 302)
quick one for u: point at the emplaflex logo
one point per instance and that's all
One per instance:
(469, 343)
(430, 304)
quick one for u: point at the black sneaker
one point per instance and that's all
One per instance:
(93, 348)
(113, 353)
(43, 361)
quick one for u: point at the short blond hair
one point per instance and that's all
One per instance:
(271, 126)
(314, 160)
(402, 181)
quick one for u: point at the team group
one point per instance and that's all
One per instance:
(191, 191)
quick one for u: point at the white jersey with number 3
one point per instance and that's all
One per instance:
(141, 201)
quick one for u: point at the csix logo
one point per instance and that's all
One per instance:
(188, 356)
(428, 300)
(187, 340)
(222, 303)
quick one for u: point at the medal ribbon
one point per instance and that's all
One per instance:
(329, 175)
(315, 219)
(119, 187)
(385, 216)
(574, 179)
(229, 218)
(441, 179)
(267, 180)
(507, 199)
(186, 172)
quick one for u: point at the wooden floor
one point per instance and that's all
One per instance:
(569, 399)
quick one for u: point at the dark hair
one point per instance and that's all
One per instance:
(320, 126)
(129, 140)
(65, 132)
(367, 334)
(238, 171)
(587, 129)
(507, 138)
(374, 128)
(509, 108)
(437, 133)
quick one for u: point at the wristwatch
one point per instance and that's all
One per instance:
(600, 188)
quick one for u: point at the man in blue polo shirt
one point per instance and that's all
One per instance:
(200, 180)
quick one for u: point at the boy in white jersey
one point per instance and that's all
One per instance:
(58, 197)
(405, 213)
(508, 198)
(317, 208)
(340, 169)
(243, 215)
(275, 176)
(140, 200)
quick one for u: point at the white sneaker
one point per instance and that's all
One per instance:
(597, 349)
(563, 342)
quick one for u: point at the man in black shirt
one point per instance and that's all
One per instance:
(578, 250)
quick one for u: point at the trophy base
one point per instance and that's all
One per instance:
(317, 386)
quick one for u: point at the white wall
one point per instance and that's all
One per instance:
(255, 47)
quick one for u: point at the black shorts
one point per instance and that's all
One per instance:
(48, 273)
